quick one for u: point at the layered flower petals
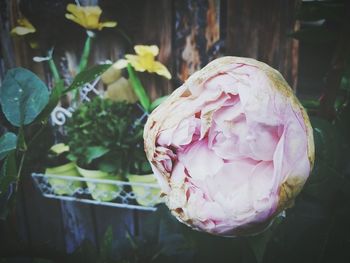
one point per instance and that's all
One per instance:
(232, 147)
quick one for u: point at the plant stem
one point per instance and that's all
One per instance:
(54, 70)
(139, 89)
(125, 36)
(85, 55)
(19, 171)
(20, 166)
(36, 135)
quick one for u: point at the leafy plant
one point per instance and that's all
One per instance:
(102, 135)
(26, 103)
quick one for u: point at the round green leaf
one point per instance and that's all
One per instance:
(22, 96)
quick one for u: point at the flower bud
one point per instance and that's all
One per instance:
(231, 148)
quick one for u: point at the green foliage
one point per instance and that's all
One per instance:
(7, 144)
(86, 52)
(8, 175)
(54, 98)
(87, 76)
(22, 96)
(8, 172)
(95, 152)
(139, 89)
(157, 102)
(27, 104)
(102, 135)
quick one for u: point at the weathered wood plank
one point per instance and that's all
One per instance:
(196, 36)
(22, 52)
(78, 225)
(44, 218)
(14, 231)
(259, 29)
(155, 28)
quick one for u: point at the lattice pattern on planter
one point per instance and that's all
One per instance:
(116, 193)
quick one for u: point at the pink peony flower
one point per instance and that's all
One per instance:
(231, 148)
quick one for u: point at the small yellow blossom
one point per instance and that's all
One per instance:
(24, 27)
(88, 17)
(144, 61)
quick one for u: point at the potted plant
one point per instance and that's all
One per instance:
(100, 135)
(140, 172)
(59, 165)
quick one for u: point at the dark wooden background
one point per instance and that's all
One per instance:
(190, 33)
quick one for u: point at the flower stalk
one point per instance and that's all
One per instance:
(139, 89)
(54, 70)
(86, 53)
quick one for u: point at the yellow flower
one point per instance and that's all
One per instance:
(88, 17)
(144, 61)
(24, 27)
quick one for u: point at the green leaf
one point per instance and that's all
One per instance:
(8, 143)
(310, 104)
(108, 166)
(22, 96)
(85, 55)
(139, 89)
(104, 123)
(55, 96)
(95, 152)
(87, 76)
(157, 102)
(8, 172)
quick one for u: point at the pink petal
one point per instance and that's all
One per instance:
(200, 161)
(223, 82)
(262, 141)
(184, 132)
(162, 182)
(226, 148)
(178, 175)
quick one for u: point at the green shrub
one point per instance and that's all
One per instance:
(105, 135)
